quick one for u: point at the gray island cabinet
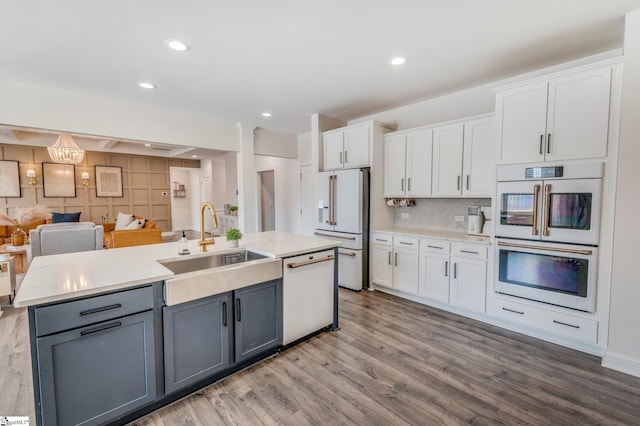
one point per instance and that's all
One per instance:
(110, 345)
(197, 334)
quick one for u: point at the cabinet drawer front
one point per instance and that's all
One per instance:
(65, 316)
(405, 242)
(471, 251)
(435, 246)
(546, 320)
(381, 239)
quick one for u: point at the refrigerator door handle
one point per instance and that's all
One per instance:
(332, 199)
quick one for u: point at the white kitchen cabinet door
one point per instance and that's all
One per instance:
(381, 265)
(405, 270)
(447, 160)
(578, 115)
(468, 283)
(356, 146)
(434, 276)
(521, 116)
(394, 165)
(479, 158)
(332, 150)
(418, 163)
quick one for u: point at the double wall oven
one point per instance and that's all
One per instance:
(547, 233)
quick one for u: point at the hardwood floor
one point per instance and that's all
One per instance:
(393, 362)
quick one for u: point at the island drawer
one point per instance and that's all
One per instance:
(78, 313)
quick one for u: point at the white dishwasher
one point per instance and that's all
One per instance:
(307, 294)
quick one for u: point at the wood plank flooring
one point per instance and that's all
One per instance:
(394, 362)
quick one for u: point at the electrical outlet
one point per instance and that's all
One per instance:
(459, 218)
(405, 215)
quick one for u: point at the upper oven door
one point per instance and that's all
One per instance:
(518, 209)
(571, 211)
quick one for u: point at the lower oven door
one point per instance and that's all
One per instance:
(558, 274)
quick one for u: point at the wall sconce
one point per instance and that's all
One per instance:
(31, 175)
(85, 178)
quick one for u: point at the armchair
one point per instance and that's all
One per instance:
(68, 237)
(131, 237)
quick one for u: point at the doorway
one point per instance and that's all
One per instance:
(267, 200)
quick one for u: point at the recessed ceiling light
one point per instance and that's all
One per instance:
(146, 85)
(266, 114)
(194, 156)
(147, 144)
(177, 45)
(398, 61)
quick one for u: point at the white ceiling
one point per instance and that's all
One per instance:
(294, 57)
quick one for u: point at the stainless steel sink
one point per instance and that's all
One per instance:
(198, 276)
(198, 263)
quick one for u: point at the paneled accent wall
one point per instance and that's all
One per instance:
(144, 180)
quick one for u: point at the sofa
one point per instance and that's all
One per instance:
(7, 230)
(148, 234)
(69, 237)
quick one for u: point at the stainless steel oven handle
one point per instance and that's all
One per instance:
(310, 262)
(335, 236)
(559, 250)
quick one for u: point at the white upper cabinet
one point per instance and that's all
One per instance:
(447, 160)
(333, 150)
(479, 176)
(562, 118)
(407, 164)
(450, 160)
(347, 147)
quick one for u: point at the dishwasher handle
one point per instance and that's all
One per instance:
(310, 262)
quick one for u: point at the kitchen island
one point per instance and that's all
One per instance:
(116, 334)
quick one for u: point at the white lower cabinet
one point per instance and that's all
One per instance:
(405, 264)
(394, 262)
(434, 270)
(381, 263)
(468, 284)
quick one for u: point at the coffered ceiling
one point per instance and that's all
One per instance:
(294, 58)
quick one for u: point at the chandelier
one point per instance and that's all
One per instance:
(65, 150)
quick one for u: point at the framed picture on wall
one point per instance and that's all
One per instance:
(59, 180)
(9, 179)
(109, 181)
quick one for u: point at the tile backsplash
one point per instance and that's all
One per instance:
(438, 213)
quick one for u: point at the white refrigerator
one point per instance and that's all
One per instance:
(342, 214)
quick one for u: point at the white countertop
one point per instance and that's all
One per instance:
(439, 235)
(64, 276)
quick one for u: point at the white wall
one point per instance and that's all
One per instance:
(41, 107)
(276, 144)
(287, 181)
(231, 177)
(623, 352)
(304, 149)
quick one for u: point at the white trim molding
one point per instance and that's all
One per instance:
(621, 363)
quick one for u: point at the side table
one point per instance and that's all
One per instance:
(21, 261)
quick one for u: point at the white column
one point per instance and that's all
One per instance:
(247, 213)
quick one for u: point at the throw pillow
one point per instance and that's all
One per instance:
(65, 217)
(123, 220)
(136, 224)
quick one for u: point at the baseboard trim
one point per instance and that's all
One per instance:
(621, 363)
